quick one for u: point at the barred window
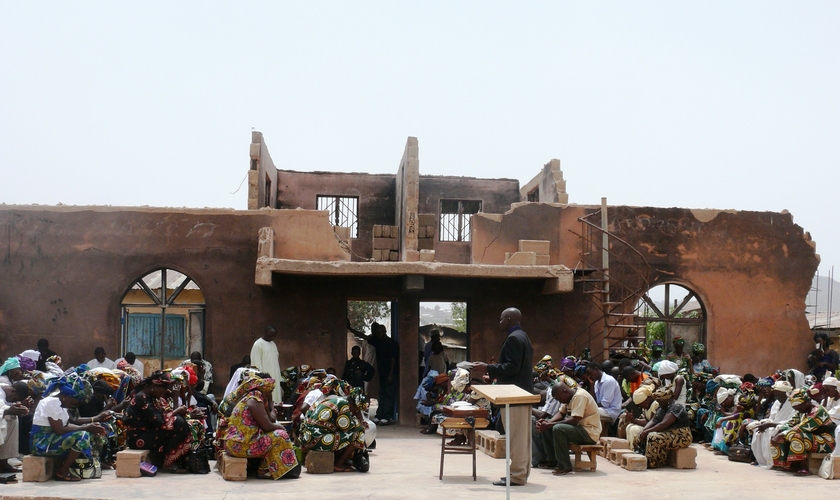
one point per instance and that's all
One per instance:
(455, 219)
(344, 211)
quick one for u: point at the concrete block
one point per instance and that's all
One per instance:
(342, 232)
(427, 255)
(412, 255)
(394, 256)
(685, 458)
(386, 243)
(128, 462)
(491, 443)
(426, 220)
(522, 259)
(377, 231)
(233, 468)
(376, 255)
(615, 455)
(536, 246)
(633, 462)
(320, 462)
(814, 462)
(421, 232)
(425, 244)
(543, 260)
(37, 469)
(430, 231)
(393, 231)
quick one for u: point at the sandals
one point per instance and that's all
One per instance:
(342, 468)
(562, 472)
(802, 472)
(547, 465)
(70, 478)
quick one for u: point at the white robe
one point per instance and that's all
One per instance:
(265, 355)
(779, 414)
(8, 430)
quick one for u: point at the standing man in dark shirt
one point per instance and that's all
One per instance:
(515, 367)
(357, 371)
(387, 364)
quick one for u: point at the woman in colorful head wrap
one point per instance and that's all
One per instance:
(679, 356)
(458, 389)
(334, 424)
(810, 430)
(656, 349)
(643, 398)
(52, 433)
(10, 371)
(698, 359)
(726, 419)
(669, 430)
(152, 423)
(251, 433)
(670, 378)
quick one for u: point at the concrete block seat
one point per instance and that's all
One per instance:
(233, 468)
(38, 469)
(615, 455)
(591, 451)
(491, 443)
(684, 458)
(633, 462)
(128, 462)
(320, 462)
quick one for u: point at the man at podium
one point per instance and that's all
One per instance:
(514, 367)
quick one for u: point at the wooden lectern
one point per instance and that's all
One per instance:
(507, 395)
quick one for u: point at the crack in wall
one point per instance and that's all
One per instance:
(498, 233)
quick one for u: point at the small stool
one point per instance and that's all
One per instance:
(460, 449)
(591, 450)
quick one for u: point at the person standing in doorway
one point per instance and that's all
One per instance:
(514, 367)
(387, 364)
(266, 357)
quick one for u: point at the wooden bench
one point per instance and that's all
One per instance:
(591, 451)
(37, 469)
(128, 462)
(491, 443)
(467, 448)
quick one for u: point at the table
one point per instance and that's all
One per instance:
(467, 420)
(506, 394)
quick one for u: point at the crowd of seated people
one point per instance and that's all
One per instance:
(662, 402)
(84, 415)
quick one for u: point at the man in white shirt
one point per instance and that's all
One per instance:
(607, 395)
(266, 357)
(546, 411)
(10, 409)
(135, 363)
(100, 361)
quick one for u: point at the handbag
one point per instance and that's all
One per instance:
(827, 467)
(361, 460)
(740, 453)
(86, 468)
(198, 461)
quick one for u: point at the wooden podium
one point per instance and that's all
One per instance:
(507, 395)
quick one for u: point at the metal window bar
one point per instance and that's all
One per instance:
(455, 219)
(343, 211)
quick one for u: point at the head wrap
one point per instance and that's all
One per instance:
(334, 385)
(723, 394)
(26, 364)
(441, 379)
(250, 382)
(765, 382)
(460, 379)
(568, 364)
(832, 382)
(31, 354)
(678, 340)
(747, 387)
(10, 364)
(698, 348)
(657, 345)
(711, 387)
(667, 367)
(37, 383)
(546, 359)
(815, 389)
(664, 393)
(193, 377)
(54, 359)
(72, 386)
(102, 387)
(357, 396)
(642, 393)
(782, 386)
(160, 378)
(799, 396)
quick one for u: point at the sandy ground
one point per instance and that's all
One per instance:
(405, 466)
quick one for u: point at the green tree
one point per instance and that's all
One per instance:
(362, 313)
(459, 316)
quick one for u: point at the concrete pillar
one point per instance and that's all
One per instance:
(409, 323)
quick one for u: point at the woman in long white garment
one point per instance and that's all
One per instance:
(780, 412)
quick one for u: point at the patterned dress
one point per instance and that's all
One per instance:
(151, 425)
(44, 442)
(245, 439)
(331, 426)
(804, 433)
(677, 436)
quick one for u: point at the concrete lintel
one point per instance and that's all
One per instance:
(560, 275)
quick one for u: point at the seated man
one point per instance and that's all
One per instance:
(100, 360)
(607, 395)
(10, 409)
(577, 422)
(546, 411)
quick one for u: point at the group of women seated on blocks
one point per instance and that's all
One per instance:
(83, 416)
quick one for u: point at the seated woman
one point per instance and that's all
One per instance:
(633, 425)
(251, 433)
(670, 378)
(739, 406)
(810, 430)
(764, 430)
(152, 423)
(52, 433)
(335, 424)
(669, 429)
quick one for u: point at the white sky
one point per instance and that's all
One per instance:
(690, 104)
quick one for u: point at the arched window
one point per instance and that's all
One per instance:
(161, 324)
(670, 310)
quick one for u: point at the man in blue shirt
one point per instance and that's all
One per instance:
(607, 395)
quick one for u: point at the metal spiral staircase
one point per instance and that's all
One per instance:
(614, 275)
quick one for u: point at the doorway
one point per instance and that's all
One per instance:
(449, 319)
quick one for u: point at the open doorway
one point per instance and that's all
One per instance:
(449, 319)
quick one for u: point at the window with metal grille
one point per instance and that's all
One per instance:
(455, 219)
(344, 211)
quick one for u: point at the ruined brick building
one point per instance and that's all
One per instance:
(311, 241)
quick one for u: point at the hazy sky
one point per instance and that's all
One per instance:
(700, 104)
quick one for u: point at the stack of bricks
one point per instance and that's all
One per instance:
(426, 231)
(386, 243)
(531, 253)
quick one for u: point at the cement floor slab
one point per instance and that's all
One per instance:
(405, 466)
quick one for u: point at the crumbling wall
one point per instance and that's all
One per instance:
(262, 176)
